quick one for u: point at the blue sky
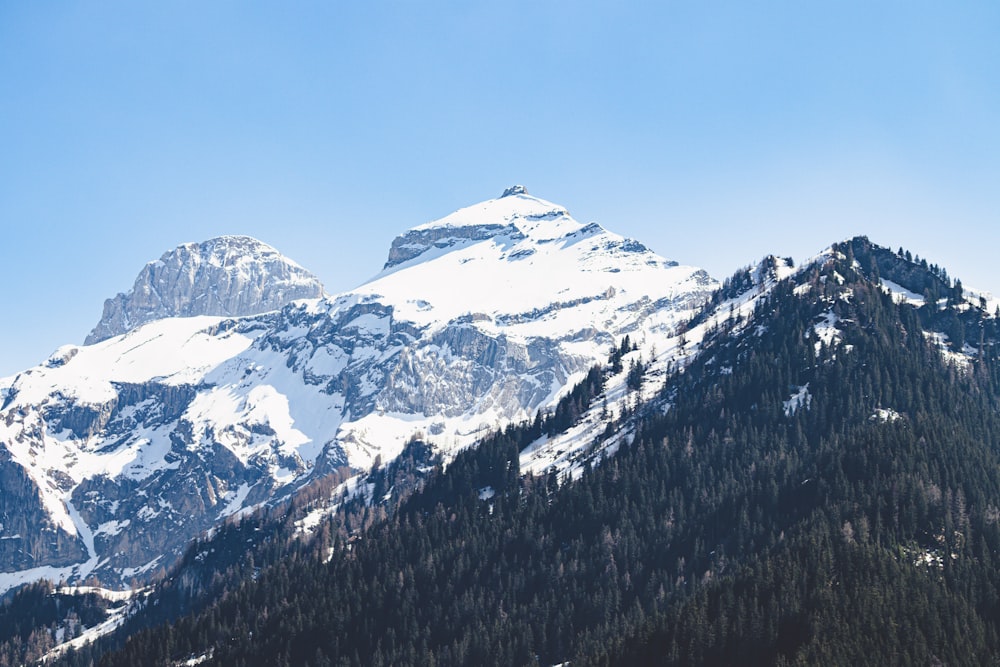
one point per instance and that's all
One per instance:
(713, 132)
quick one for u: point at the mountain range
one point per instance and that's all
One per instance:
(226, 379)
(664, 439)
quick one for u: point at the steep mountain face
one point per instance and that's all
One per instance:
(229, 276)
(124, 449)
(812, 481)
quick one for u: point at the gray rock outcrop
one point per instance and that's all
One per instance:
(225, 276)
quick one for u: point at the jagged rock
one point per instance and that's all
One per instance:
(228, 276)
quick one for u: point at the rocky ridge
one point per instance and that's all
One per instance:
(230, 276)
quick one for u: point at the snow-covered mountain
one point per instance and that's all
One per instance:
(113, 455)
(230, 276)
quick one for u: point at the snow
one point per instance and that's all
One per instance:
(87, 536)
(614, 290)
(10, 580)
(106, 593)
(929, 558)
(784, 269)
(568, 453)
(902, 295)
(960, 360)
(327, 361)
(308, 524)
(884, 415)
(258, 389)
(369, 324)
(235, 500)
(132, 572)
(973, 296)
(501, 209)
(278, 390)
(826, 331)
(617, 287)
(112, 527)
(660, 347)
(172, 351)
(116, 616)
(800, 398)
(468, 278)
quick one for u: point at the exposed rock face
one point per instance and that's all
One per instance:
(418, 241)
(122, 452)
(227, 276)
(514, 190)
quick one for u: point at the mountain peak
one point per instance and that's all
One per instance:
(512, 214)
(223, 276)
(452, 266)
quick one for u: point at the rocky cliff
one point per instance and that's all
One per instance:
(229, 276)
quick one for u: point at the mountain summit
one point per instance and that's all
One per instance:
(505, 215)
(518, 254)
(224, 276)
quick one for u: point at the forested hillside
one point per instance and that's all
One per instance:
(819, 486)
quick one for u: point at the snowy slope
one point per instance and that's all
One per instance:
(516, 285)
(131, 446)
(522, 264)
(589, 442)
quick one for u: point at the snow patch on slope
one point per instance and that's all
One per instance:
(826, 331)
(961, 360)
(800, 398)
(884, 415)
(902, 295)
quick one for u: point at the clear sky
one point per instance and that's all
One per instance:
(714, 132)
